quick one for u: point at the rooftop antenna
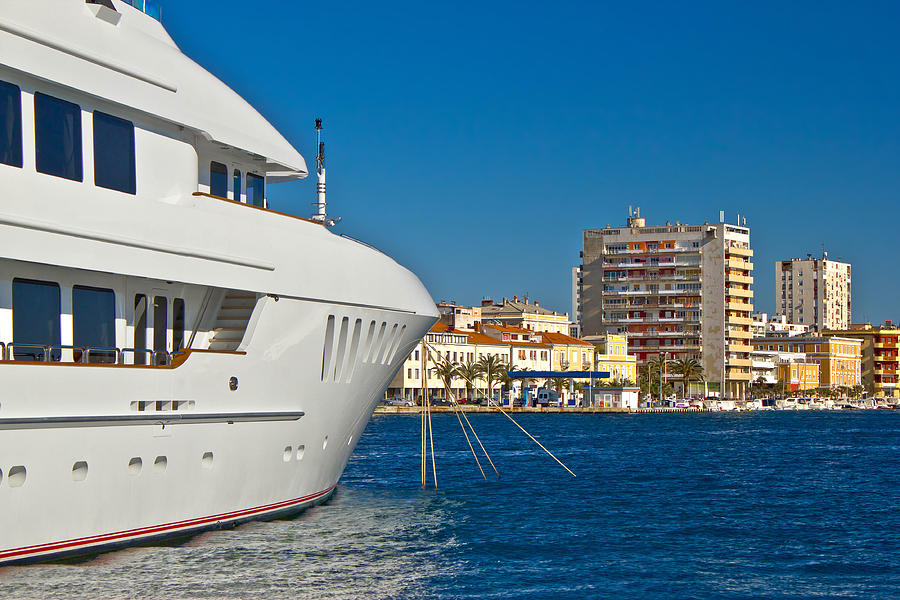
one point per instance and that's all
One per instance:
(321, 216)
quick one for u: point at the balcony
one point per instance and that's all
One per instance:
(740, 278)
(740, 320)
(740, 292)
(740, 334)
(737, 347)
(739, 263)
(741, 306)
(738, 251)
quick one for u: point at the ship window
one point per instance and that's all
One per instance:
(57, 137)
(177, 324)
(94, 323)
(237, 185)
(35, 319)
(256, 189)
(160, 326)
(218, 179)
(140, 329)
(10, 124)
(114, 153)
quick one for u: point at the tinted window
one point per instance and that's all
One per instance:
(160, 326)
(237, 185)
(35, 318)
(140, 329)
(177, 324)
(10, 124)
(114, 153)
(94, 322)
(256, 190)
(218, 179)
(57, 137)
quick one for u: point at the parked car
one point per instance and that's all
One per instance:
(438, 401)
(396, 401)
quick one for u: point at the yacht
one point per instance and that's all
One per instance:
(176, 356)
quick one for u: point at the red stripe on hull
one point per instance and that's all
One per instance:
(68, 545)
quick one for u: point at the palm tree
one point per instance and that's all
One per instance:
(690, 369)
(507, 381)
(491, 367)
(470, 374)
(446, 370)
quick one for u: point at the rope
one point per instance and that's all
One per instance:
(532, 438)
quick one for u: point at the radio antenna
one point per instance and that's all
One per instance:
(320, 203)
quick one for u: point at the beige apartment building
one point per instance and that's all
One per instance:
(524, 313)
(814, 292)
(677, 291)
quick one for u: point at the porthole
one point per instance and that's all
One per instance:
(301, 449)
(349, 440)
(135, 465)
(1, 475)
(207, 460)
(288, 452)
(16, 477)
(160, 464)
(325, 443)
(79, 471)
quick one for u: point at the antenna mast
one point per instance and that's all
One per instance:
(320, 203)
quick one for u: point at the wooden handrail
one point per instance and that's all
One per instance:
(269, 210)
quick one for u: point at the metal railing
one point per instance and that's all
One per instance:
(80, 355)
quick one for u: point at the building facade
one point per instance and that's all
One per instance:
(798, 376)
(764, 324)
(838, 359)
(524, 313)
(814, 292)
(678, 291)
(880, 360)
(575, 327)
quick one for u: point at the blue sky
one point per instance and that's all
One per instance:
(474, 141)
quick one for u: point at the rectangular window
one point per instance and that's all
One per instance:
(140, 329)
(57, 137)
(236, 185)
(36, 311)
(177, 324)
(94, 324)
(218, 179)
(160, 328)
(10, 124)
(114, 167)
(256, 190)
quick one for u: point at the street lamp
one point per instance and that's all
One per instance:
(662, 373)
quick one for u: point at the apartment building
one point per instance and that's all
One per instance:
(814, 292)
(524, 313)
(575, 327)
(677, 291)
(765, 324)
(880, 360)
(838, 358)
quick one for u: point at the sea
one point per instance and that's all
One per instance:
(711, 505)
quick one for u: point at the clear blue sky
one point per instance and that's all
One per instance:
(474, 141)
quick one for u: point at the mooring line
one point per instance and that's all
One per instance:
(532, 437)
(431, 437)
(488, 456)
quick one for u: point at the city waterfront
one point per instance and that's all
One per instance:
(713, 505)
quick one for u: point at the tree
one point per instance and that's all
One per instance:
(469, 373)
(446, 370)
(491, 367)
(690, 369)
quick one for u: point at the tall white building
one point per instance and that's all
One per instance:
(575, 328)
(813, 292)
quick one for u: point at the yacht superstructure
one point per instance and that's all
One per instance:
(176, 356)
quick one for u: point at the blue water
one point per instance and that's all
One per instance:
(750, 505)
